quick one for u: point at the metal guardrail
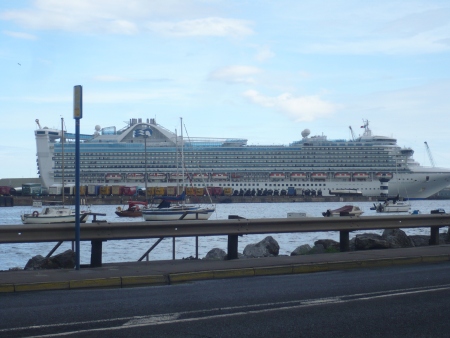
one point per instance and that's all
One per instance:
(101, 231)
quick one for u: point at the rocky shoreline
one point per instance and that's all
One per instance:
(390, 239)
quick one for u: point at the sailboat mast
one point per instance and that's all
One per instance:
(182, 156)
(62, 161)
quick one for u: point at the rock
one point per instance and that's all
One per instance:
(65, 260)
(301, 250)
(35, 263)
(328, 244)
(396, 238)
(317, 249)
(420, 240)
(215, 254)
(266, 248)
(368, 241)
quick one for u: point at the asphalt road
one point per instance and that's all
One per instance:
(402, 301)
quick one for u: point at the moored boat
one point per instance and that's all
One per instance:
(134, 209)
(346, 210)
(54, 214)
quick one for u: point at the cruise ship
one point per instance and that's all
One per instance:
(109, 156)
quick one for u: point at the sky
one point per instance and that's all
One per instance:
(260, 70)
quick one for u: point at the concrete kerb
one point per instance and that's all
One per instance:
(176, 278)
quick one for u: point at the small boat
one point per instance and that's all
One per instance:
(219, 176)
(165, 211)
(384, 175)
(343, 175)
(346, 210)
(437, 211)
(392, 205)
(360, 176)
(135, 176)
(319, 176)
(54, 214)
(134, 209)
(277, 175)
(298, 175)
(156, 176)
(113, 177)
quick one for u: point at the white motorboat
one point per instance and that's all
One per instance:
(346, 210)
(393, 205)
(167, 212)
(53, 214)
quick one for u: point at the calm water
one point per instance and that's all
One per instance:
(17, 255)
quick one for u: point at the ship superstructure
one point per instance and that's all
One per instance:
(314, 163)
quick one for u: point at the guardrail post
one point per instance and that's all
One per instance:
(344, 242)
(96, 254)
(232, 247)
(434, 235)
(233, 241)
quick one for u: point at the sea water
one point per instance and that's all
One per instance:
(17, 255)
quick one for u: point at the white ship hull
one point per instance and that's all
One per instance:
(309, 164)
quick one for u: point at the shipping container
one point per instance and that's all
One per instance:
(69, 189)
(117, 190)
(105, 190)
(5, 190)
(93, 190)
(190, 191)
(31, 189)
(129, 191)
(200, 191)
(83, 190)
(171, 191)
(55, 190)
(150, 191)
(160, 191)
(228, 191)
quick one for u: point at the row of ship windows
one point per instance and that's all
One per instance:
(237, 155)
(275, 166)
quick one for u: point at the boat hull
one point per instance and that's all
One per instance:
(173, 215)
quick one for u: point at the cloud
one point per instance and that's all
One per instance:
(264, 53)
(299, 109)
(128, 17)
(20, 35)
(236, 74)
(213, 26)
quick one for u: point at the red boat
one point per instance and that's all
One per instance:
(134, 209)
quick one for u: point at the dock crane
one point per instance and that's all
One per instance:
(351, 131)
(429, 154)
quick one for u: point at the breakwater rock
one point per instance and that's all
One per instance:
(391, 238)
(64, 260)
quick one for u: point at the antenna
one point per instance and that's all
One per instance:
(429, 154)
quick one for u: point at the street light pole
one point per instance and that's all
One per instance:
(145, 169)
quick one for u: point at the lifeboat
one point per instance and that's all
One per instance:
(135, 176)
(177, 176)
(360, 176)
(200, 176)
(156, 176)
(114, 177)
(384, 175)
(277, 175)
(298, 175)
(342, 175)
(319, 176)
(219, 176)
